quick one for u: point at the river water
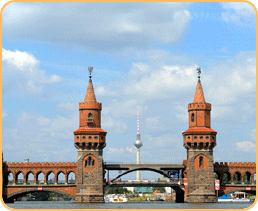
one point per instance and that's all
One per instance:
(127, 205)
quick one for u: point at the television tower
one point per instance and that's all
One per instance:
(138, 143)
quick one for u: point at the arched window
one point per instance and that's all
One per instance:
(201, 161)
(89, 162)
(89, 159)
(90, 119)
(192, 117)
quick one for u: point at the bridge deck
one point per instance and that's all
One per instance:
(145, 184)
(143, 166)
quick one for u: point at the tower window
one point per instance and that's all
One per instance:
(89, 162)
(192, 117)
(90, 118)
(201, 161)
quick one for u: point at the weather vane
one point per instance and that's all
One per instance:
(90, 69)
(199, 72)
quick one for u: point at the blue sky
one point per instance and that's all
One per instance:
(142, 53)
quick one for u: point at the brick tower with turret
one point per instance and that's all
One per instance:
(89, 139)
(199, 140)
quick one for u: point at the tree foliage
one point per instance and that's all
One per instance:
(117, 190)
(160, 189)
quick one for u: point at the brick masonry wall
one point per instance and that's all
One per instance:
(90, 181)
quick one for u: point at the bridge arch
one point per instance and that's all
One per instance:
(27, 177)
(217, 175)
(141, 169)
(247, 177)
(237, 177)
(50, 180)
(19, 181)
(6, 177)
(58, 177)
(71, 177)
(242, 189)
(38, 174)
(21, 192)
(226, 178)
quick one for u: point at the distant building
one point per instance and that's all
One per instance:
(143, 189)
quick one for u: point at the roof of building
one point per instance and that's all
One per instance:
(90, 130)
(90, 95)
(199, 130)
(199, 96)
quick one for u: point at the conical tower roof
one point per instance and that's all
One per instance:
(90, 95)
(199, 96)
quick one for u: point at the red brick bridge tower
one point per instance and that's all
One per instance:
(199, 140)
(89, 139)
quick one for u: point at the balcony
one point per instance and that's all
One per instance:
(90, 122)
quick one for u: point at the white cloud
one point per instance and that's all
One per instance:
(54, 79)
(154, 124)
(4, 115)
(161, 83)
(43, 127)
(181, 113)
(121, 150)
(220, 112)
(114, 124)
(238, 12)
(246, 146)
(233, 78)
(70, 106)
(98, 26)
(253, 134)
(21, 73)
(102, 91)
(32, 131)
(121, 107)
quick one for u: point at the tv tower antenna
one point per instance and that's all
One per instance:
(138, 143)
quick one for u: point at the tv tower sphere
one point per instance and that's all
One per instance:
(138, 142)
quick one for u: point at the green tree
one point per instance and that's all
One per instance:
(117, 190)
(160, 189)
(216, 176)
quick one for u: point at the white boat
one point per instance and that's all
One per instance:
(115, 198)
(225, 200)
(239, 197)
(235, 197)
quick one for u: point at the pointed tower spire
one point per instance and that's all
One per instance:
(90, 95)
(199, 96)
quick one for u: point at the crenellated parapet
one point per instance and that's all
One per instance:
(232, 165)
(90, 105)
(199, 106)
(235, 163)
(45, 167)
(41, 164)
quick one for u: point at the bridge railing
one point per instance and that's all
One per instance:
(171, 180)
(132, 163)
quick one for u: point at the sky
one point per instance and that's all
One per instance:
(142, 53)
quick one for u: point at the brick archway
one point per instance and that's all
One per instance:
(21, 192)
